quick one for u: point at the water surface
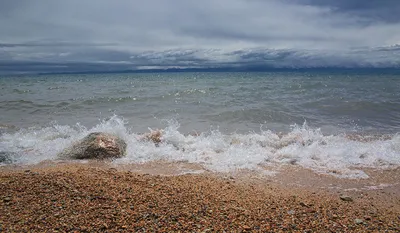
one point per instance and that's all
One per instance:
(326, 121)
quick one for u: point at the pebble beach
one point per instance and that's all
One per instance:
(200, 116)
(85, 198)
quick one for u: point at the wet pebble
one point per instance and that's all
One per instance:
(346, 198)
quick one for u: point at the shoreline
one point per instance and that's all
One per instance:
(98, 197)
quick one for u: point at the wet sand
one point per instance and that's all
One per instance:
(100, 197)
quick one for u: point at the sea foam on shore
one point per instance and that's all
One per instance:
(341, 155)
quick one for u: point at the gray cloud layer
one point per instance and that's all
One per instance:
(133, 34)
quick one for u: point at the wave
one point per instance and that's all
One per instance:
(342, 155)
(24, 104)
(172, 95)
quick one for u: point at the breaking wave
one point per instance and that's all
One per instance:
(341, 155)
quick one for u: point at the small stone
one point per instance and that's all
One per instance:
(358, 221)
(346, 198)
(246, 228)
(303, 204)
(310, 211)
(367, 217)
(7, 199)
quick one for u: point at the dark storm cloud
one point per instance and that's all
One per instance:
(254, 59)
(52, 44)
(375, 10)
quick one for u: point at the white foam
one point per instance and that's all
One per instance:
(302, 146)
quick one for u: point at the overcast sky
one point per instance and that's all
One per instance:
(130, 34)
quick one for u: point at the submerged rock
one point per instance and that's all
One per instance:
(97, 145)
(7, 129)
(154, 136)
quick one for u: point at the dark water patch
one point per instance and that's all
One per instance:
(19, 91)
(22, 103)
(62, 104)
(261, 116)
(101, 100)
(6, 157)
(57, 88)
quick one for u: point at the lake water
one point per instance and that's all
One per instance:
(331, 122)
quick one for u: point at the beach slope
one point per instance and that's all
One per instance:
(87, 199)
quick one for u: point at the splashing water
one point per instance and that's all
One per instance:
(303, 146)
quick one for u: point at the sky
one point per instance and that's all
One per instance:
(94, 35)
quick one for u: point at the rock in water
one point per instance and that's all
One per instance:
(97, 146)
(154, 136)
(7, 128)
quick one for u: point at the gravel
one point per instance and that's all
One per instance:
(85, 199)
